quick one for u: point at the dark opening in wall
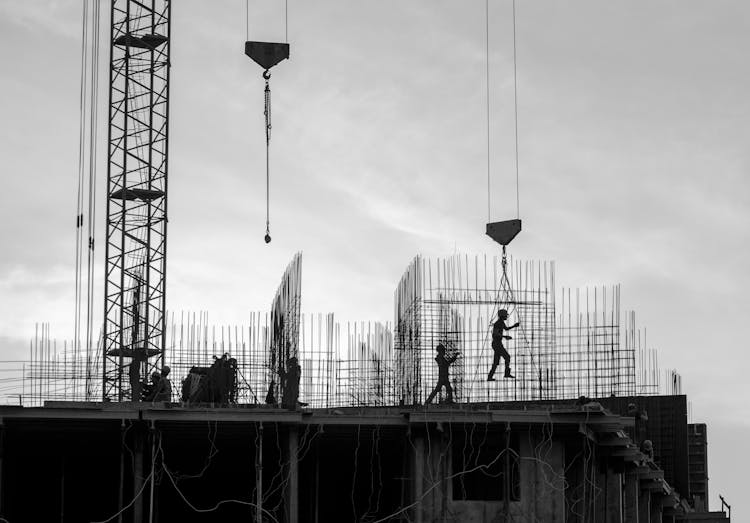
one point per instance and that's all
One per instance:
(478, 460)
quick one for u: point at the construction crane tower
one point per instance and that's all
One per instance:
(136, 241)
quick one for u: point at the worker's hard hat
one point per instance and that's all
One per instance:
(165, 369)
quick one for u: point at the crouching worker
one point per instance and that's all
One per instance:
(161, 387)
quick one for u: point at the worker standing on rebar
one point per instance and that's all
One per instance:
(443, 363)
(498, 348)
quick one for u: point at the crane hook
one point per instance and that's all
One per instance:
(266, 75)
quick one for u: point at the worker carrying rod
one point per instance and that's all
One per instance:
(267, 54)
(443, 362)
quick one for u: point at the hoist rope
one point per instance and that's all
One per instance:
(487, 78)
(515, 108)
(81, 170)
(93, 127)
(87, 163)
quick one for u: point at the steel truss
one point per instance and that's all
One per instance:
(136, 247)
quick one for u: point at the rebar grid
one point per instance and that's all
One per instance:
(580, 348)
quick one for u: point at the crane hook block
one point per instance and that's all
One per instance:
(267, 54)
(504, 232)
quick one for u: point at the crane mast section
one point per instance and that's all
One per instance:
(136, 242)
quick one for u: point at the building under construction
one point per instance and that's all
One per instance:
(168, 417)
(581, 434)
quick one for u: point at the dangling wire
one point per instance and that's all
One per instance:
(487, 82)
(515, 108)
(83, 105)
(93, 156)
(267, 114)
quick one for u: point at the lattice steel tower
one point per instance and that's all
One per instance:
(135, 275)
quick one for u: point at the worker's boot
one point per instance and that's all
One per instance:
(507, 373)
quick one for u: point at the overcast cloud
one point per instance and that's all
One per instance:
(633, 126)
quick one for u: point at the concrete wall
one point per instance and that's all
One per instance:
(542, 492)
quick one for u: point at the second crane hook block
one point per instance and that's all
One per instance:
(267, 54)
(504, 232)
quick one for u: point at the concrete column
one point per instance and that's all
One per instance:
(631, 497)
(138, 477)
(655, 515)
(62, 488)
(2, 451)
(152, 493)
(121, 492)
(542, 496)
(614, 495)
(600, 494)
(644, 506)
(418, 475)
(259, 476)
(292, 487)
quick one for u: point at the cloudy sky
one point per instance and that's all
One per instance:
(633, 147)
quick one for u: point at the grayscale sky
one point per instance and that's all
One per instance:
(633, 145)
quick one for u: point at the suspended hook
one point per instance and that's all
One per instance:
(266, 55)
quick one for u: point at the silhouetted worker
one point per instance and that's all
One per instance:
(163, 391)
(134, 373)
(270, 398)
(497, 344)
(149, 390)
(291, 378)
(443, 363)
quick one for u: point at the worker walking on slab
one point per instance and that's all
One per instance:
(498, 329)
(443, 363)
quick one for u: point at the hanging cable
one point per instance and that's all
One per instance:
(93, 127)
(267, 113)
(515, 107)
(81, 170)
(487, 78)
